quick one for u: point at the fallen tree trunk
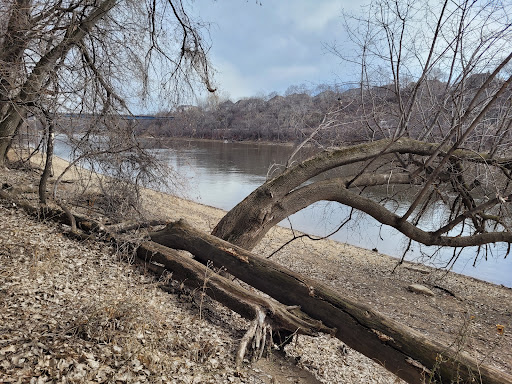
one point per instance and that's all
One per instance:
(262, 311)
(400, 349)
(250, 305)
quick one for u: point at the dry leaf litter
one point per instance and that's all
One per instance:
(77, 312)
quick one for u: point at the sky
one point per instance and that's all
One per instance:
(258, 49)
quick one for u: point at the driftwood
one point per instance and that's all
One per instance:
(402, 350)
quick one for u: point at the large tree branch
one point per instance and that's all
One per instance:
(74, 34)
(332, 190)
(248, 222)
(295, 176)
(327, 190)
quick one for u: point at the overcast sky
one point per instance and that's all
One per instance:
(258, 49)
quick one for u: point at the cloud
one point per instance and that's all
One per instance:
(231, 81)
(311, 16)
(292, 72)
(259, 49)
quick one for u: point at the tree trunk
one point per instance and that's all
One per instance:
(196, 275)
(248, 222)
(10, 121)
(11, 57)
(43, 181)
(400, 349)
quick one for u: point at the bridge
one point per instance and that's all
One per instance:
(125, 117)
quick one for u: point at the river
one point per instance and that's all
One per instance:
(222, 174)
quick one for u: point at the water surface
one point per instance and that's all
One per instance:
(222, 174)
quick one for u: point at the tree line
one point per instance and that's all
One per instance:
(299, 113)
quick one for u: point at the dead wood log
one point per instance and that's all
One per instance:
(221, 289)
(250, 305)
(402, 350)
(127, 226)
(265, 313)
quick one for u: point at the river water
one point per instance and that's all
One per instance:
(222, 174)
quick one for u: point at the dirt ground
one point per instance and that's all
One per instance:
(463, 312)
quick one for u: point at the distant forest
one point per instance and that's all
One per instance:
(295, 116)
(274, 118)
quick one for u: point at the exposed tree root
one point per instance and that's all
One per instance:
(256, 335)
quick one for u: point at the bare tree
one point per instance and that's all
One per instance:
(435, 107)
(72, 65)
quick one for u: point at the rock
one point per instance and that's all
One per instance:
(418, 288)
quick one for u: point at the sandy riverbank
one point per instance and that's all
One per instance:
(460, 306)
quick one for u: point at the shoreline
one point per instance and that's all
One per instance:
(192, 210)
(248, 142)
(213, 214)
(460, 303)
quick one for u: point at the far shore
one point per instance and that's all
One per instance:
(196, 139)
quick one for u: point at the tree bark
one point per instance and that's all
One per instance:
(43, 181)
(400, 349)
(248, 222)
(11, 56)
(196, 275)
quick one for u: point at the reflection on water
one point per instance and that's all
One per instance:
(222, 174)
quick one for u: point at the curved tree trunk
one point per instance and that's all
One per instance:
(248, 222)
